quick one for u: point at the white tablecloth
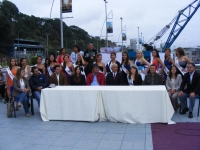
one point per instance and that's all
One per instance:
(137, 104)
(71, 103)
(127, 104)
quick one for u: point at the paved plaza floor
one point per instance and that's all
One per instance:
(34, 134)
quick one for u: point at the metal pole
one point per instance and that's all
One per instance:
(47, 45)
(61, 24)
(121, 33)
(106, 24)
(18, 41)
(138, 39)
(141, 41)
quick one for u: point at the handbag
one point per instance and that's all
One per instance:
(10, 107)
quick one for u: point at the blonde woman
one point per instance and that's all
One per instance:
(141, 62)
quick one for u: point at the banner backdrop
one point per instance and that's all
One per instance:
(109, 27)
(66, 6)
(105, 51)
(123, 36)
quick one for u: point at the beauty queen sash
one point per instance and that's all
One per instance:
(179, 67)
(130, 81)
(49, 71)
(124, 69)
(10, 73)
(140, 69)
(67, 70)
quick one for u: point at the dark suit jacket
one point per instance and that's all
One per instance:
(157, 79)
(194, 87)
(110, 79)
(16, 86)
(82, 82)
(62, 79)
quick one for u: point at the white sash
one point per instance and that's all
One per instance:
(140, 69)
(124, 69)
(109, 66)
(10, 73)
(49, 70)
(38, 69)
(166, 70)
(130, 81)
(68, 70)
(178, 66)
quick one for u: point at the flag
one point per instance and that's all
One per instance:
(109, 27)
(66, 6)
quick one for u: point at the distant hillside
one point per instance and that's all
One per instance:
(13, 22)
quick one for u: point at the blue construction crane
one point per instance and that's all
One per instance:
(181, 20)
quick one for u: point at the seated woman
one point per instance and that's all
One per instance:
(21, 89)
(173, 85)
(134, 78)
(77, 78)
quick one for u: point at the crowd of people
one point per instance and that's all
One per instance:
(86, 68)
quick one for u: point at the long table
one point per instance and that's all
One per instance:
(127, 104)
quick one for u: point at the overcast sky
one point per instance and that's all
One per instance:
(149, 15)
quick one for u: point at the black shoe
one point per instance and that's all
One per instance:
(190, 115)
(184, 111)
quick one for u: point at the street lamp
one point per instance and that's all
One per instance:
(106, 23)
(121, 33)
(15, 52)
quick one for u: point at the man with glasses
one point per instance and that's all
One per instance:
(192, 80)
(37, 82)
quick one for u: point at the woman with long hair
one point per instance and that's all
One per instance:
(26, 67)
(60, 58)
(141, 63)
(77, 78)
(46, 63)
(173, 83)
(75, 54)
(21, 89)
(81, 62)
(112, 61)
(181, 61)
(11, 73)
(98, 61)
(51, 64)
(125, 66)
(157, 61)
(134, 78)
(40, 66)
(168, 61)
(67, 67)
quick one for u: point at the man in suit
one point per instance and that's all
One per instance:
(58, 78)
(114, 77)
(37, 82)
(153, 78)
(95, 78)
(89, 56)
(192, 80)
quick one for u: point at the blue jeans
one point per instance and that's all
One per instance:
(36, 95)
(183, 99)
(22, 98)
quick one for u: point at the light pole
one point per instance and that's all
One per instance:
(15, 53)
(121, 33)
(61, 25)
(138, 38)
(18, 39)
(106, 23)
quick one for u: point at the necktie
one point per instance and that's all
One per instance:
(114, 76)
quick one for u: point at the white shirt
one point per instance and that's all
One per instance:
(22, 85)
(191, 77)
(57, 75)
